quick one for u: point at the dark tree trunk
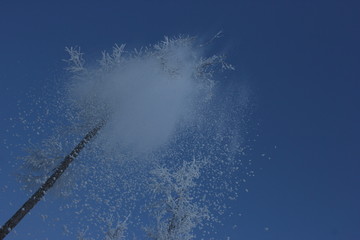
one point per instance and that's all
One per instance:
(36, 197)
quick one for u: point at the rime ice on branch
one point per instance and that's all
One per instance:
(175, 211)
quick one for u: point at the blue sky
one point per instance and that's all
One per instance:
(299, 58)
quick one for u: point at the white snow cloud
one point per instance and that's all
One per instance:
(146, 96)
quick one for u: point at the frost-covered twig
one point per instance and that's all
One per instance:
(76, 60)
(117, 232)
(110, 60)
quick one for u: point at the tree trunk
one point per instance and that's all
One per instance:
(36, 197)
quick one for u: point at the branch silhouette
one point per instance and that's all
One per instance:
(36, 197)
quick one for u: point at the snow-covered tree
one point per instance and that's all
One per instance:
(141, 100)
(175, 209)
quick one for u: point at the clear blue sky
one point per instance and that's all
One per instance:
(300, 58)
